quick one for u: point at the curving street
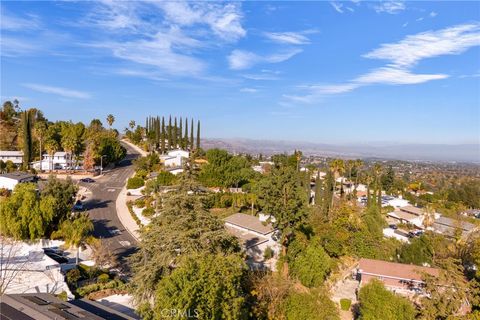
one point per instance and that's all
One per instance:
(102, 210)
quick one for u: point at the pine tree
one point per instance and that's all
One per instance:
(186, 133)
(162, 137)
(198, 135)
(191, 135)
(157, 132)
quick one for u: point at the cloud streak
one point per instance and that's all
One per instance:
(241, 59)
(59, 91)
(294, 38)
(390, 7)
(401, 58)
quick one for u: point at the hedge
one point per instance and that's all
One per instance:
(345, 304)
(135, 183)
(83, 291)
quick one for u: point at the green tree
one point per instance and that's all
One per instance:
(131, 124)
(308, 261)
(26, 120)
(205, 287)
(39, 131)
(191, 136)
(313, 305)
(376, 302)
(182, 228)
(75, 231)
(198, 134)
(64, 193)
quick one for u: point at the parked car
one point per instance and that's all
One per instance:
(78, 206)
(393, 226)
(87, 180)
(54, 251)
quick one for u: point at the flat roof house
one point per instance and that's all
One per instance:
(15, 156)
(254, 235)
(449, 226)
(399, 277)
(10, 180)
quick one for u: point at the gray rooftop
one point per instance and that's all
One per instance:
(44, 306)
(453, 223)
(18, 175)
(249, 222)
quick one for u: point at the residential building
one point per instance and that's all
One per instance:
(43, 306)
(175, 159)
(263, 166)
(255, 236)
(407, 218)
(15, 156)
(10, 180)
(401, 278)
(59, 161)
(450, 227)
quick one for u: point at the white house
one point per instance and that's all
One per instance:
(30, 270)
(409, 214)
(255, 236)
(15, 156)
(394, 202)
(59, 161)
(10, 180)
(179, 153)
(174, 158)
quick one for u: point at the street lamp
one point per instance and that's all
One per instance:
(101, 164)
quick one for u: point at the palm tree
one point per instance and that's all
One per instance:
(131, 124)
(337, 166)
(428, 216)
(75, 232)
(110, 120)
(51, 145)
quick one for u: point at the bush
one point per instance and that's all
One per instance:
(134, 216)
(103, 278)
(83, 291)
(141, 173)
(140, 203)
(73, 276)
(62, 296)
(135, 183)
(345, 304)
(268, 254)
(148, 212)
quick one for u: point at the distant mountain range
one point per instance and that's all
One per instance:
(412, 152)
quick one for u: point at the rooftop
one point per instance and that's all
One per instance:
(7, 153)
(403, 215)
(249, 222)
(17, 175)
(394, 270)
(411, 209)
(453, 223)
(44, 306)
(247, 239)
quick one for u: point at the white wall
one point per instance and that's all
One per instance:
(7, 183)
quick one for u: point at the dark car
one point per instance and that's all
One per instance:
(393, 226)
(78, 206)
(87, 180)
(53, 251)
(56, 257)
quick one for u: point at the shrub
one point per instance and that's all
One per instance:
(268, 254)
(103, 278)
(62, 296)
(140, 203)
(73, 276)
(141, 173)
(345, 304)
(148, 212)
(134, 216)
(135, 183)
(98, 286)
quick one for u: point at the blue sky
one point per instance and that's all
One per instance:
(329, 72)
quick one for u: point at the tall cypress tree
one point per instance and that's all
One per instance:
(191, 135)
(186, 134)
(181, 142)
(198, 134)
(175, 134)
(162, 137)
(170, 132)
(27, 137)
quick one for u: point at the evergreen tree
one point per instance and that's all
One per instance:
(162, 137)
(181, 142)
(157, 132)
(191, 135)
(198, 134)
(169, 133)
(27, 137)
(175, 134)
(186, 134)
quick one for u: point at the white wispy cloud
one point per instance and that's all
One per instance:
(337, 6)
(296, 38)
(391, 7)
(64, 92)
(166, 35)
(241, 59)
(249, 90)
(433, 14)
(402, 56)
(15, 23)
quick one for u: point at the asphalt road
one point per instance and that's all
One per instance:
(101, 207)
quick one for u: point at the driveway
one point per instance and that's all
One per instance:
(102, 210)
